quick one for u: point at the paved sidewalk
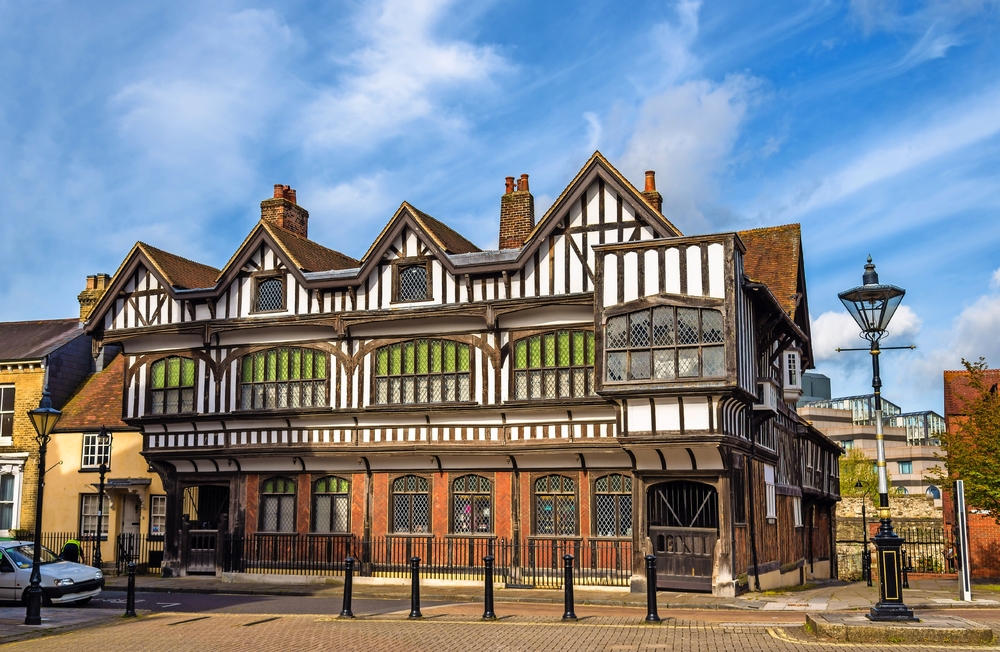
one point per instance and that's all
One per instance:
(54, 620)
(826, 596)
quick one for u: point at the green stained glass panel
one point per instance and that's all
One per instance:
(422, 356)
(382, 362)
(549, 348)
(173, 372)
(320, 361)
(563, 338)
(435, 357)
(395, 360)
(159, 369)
(283, 364)
(307, 364)
(535, 351)
(449, 356)
(258, 367)
(295, 364)
(462, 354)
(590, 348)
(578, 348)
(408, 358)
(521, 354)
(187, 372)
(271, 366)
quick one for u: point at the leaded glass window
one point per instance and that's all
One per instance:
(555, 506)
(554, 365)
(284, 378)
(423, 371)
(411, 505)
(471, 502)
(331, 504)
(613, 502)
(665, 343)
(172, 386)
(277, 505)
(270, 294)
(412, 282)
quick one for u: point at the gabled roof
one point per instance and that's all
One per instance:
(180, 273)
(97, 401)
(306, 254)
(447, 240)
(773, 257)
(958, 392)
(33, 340)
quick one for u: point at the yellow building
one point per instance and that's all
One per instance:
(134, 502)
(33, 354)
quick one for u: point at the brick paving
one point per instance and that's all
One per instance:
(437, 633)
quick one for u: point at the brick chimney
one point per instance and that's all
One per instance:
(517, 214)
(283, 211)
(653, 197)
(97, 285)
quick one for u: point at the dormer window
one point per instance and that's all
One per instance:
(270, 296)
(412, 282)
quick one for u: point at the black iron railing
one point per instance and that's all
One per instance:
(926, 550)
(535, 562)
(145, 551)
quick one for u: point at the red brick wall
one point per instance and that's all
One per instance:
(984, 544)
(502, 517)
(253, 501)
(517, 218)
(357, 524)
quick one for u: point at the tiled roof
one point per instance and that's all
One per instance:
(32, 340)
(306, 254)
(957, 390)
(180, 272)
(447, 238)
(97, 401)
(772, 258)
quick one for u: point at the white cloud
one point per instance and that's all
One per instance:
(674, 41)
(833, 330)
(338, 214)
(594, 130)
(400, 76)
(995, 279)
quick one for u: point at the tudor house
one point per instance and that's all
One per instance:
(599, 377)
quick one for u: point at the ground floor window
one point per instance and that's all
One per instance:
(555, 506)
(411, 505)
(613, 502)
(157, 515)
(331, 504)
(88, 517)
(6, 501)
(471, 501)
(277, 505)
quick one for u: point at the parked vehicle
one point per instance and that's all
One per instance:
(63, 582)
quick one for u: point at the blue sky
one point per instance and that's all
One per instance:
(876, 124)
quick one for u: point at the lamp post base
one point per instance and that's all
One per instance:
(883, 612)
(888, 551)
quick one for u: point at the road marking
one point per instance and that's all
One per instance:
(167, 605)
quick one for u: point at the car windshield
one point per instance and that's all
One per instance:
(21, 556)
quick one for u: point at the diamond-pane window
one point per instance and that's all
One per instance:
(613, 502)
(423, 371)
(554, 365)
(471, 500)
(412, 282)
(410, 505)
(277, 505)
(284, 378)
(555, 506)
(270, 294)
(665, 343)
(331, 504)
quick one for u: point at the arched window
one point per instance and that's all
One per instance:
(171, 386)
(932, 491)
(411, 505)
(554, 365)
(331, 504)
(665, 343)
(471, 502)
(277, 505)
(284, 378)
(555, 506)
(423, 371)
(613, 500)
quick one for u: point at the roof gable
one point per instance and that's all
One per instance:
(441, 238)
(774, 257)
(179, 273)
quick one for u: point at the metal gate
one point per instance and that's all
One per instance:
(684, 529)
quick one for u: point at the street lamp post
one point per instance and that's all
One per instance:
(872, 306)
(44, 419)
(104, 446)
(866, 560)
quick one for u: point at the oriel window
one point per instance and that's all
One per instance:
(172, 385)
(665, 343)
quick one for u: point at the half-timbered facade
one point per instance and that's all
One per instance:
(600, 378)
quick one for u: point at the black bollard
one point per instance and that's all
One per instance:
(568, 584)
(346, 612)
(488, 596)
(415, 588)
(906, 576)
(651, 615)
(130, 596)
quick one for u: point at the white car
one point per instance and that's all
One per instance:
(63, 582)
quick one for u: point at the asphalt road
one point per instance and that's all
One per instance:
(249, 604)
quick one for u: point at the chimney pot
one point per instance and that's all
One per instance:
(277, 211)
(650, 181)
(279, 191)
(290, 194)
(509, 183)
(97, 285)
(517, 214)
(522, 183)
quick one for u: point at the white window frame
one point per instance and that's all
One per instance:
(9, 440)
(900, 467)
(797, 511)
(92, 442)
(157, 514)
(88, 517)
(13, 464)
(770, 493)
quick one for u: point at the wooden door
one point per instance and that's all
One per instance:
(684, 530)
